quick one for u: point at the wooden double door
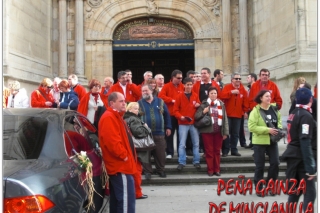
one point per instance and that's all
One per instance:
(158, 61)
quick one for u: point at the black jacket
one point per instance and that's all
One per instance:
(136, 125)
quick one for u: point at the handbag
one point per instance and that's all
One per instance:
(144, 144)
(273, 138)
(203, 121)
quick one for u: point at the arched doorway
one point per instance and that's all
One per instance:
(153, 44)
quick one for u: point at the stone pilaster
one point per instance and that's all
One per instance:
(63, 69)
(79, 42)
(244, 43)
(226, 37)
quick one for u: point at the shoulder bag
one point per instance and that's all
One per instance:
(144, 144)
(204, 121)
(273, 138)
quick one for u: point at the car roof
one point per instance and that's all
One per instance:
(36, 112)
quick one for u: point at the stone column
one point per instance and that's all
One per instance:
(226, 37)
(79, 44)
(63, 67)
(244, 43)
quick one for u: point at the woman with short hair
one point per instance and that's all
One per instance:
(216, 132)
(89, 104)
(139, 129)
(261, 137)
(18, 97)
(68, 98)
(42, 97)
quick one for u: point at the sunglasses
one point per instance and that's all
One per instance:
(50, 87)
(179, 78)
(238, 79)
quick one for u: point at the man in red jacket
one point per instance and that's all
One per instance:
(235, 98)
(265, 84)
(169, 94)
(118, 155)
(108, 82)
(129, 90)
(201, 87)
(184, 109)
(76, 87)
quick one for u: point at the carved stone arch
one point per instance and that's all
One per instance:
(100, 26)
(109, 15)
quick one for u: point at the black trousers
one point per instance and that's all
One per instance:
(242, 136)
(259, 160)
(169, 139)
(295, 169)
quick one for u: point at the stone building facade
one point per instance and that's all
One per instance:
(49, 38)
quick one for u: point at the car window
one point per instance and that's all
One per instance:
(23, 136)
(90, 130)
(75, 137)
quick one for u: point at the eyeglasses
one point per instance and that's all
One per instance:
(97, 86)
(238, 79)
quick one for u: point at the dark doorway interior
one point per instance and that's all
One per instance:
(157, 61)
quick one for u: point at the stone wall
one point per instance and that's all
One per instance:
(28, 30)
(283, 35)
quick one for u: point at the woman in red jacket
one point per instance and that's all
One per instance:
(89, 104)
(42, 97)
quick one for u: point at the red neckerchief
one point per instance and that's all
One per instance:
(95, 95)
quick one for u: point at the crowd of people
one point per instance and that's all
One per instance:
(180, 108)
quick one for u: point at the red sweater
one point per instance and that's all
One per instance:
(196, 87)
(132, 91)
(236, 105)
(168, 93)
(38, 100)
(185, 107)
(80, 90)
(272, 87)
(115, 145)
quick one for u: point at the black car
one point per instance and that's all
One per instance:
(39, 170)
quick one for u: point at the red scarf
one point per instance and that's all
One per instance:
(304, 107)
(95, 95)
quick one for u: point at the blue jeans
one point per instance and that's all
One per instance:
(232, 141)
(183, 134)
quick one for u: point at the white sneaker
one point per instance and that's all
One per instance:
(169, 156)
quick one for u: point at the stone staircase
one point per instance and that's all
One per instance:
(231, 168)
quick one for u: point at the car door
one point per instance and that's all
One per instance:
(80, 136)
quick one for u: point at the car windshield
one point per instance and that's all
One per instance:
(23, 136)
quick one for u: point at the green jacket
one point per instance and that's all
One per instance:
(209, 129)
(258, 127)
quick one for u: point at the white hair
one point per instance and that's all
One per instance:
(147, 73)
(158, 76)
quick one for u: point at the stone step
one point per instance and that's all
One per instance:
(199, 178)
(224, 167)
(229, 159)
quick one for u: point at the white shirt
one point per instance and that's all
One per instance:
(124, 89)
(92, 103)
